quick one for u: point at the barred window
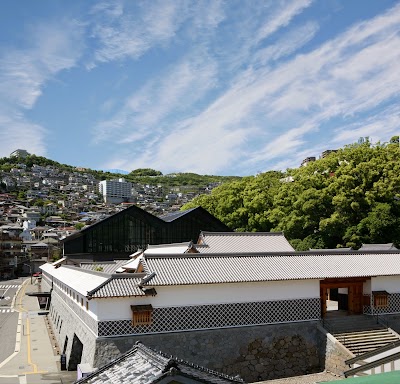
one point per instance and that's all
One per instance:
(380, 299)
(142, 315)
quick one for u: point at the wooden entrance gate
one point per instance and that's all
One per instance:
(355, 293)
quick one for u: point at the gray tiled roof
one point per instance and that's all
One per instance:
(248, 242)
(211, 269)
(119, 286)
(107, 266)
(142, 365)
(378, 247)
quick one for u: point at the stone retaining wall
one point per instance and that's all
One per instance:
(333, 353)
(255, 353)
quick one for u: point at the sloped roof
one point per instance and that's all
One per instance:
(121, 286)
(378, 247)
(175, 215)
(133, 209)
(109, 267)
(142, 365)
(78, 279)
(331, 249)
(222, 268)
(93, 284)
(168, 248)
(40, 245)
(248, 242)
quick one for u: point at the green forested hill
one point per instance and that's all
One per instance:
(348, 198)
(139, 176)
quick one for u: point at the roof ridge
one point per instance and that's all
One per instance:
(90, 271)
(172, 358)
(242, 233)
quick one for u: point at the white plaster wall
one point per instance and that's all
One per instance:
(367, 287)
(390, 284)
(186, 295)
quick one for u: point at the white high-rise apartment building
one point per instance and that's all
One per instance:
(115, 191)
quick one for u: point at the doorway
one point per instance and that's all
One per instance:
(341, 297)
(76, 354)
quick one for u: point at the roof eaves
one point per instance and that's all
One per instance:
(93, 291)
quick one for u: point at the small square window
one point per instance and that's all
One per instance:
(380, 299)
(142, 315)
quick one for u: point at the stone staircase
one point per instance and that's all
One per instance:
(360, 334)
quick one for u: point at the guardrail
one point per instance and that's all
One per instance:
(372, 365)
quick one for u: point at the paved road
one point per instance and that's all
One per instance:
(8, 330)
(33, 359)
(8, 316)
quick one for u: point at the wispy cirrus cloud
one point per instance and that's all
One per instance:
(23, 74)
(378, 127)
(128, 30)
(220, 122)
(145, 111)
(276, 109)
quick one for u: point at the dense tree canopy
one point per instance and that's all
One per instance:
(145, 172)
(348, 198)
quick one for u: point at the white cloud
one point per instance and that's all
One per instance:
(20, 133)
(24, 72)
(287, 44)
(281, 17)
(135, 27)
(280, 109)
(379, 127)
(144, 112)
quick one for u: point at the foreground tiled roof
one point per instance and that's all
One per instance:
(121, 286)
(248, 242)
(99, 284)
(212, 269)
(142, 365)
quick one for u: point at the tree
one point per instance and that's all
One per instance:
(346, 199)
(145, 172)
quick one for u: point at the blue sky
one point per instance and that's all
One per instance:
(212, 87)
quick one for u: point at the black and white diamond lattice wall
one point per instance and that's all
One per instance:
(217, 316)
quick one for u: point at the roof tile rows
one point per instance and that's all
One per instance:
(213, 269)
(247, 242)
(119, 287)
(142, 365)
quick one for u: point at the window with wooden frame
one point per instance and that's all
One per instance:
(380, 299)
(142, 315)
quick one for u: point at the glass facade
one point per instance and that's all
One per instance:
(133, 229)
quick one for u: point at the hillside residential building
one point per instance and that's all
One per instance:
(19, 153)
(231, 311)
(115, 191)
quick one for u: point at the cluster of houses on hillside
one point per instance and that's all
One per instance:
(55, 203)
(72, 192)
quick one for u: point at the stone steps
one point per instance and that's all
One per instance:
(360, 334)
